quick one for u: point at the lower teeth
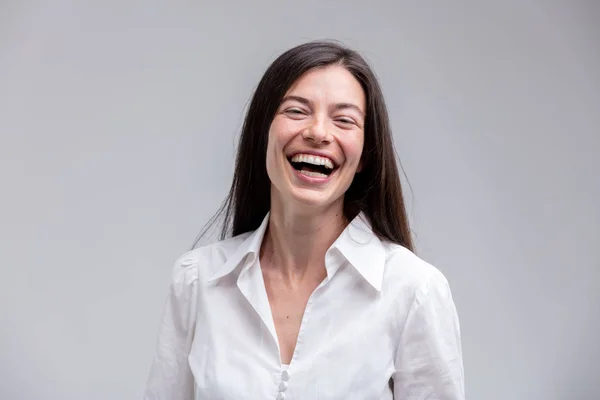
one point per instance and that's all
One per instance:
(313, 174)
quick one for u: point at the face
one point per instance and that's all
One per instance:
(316, 139)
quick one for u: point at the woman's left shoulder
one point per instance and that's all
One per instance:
(405, 270)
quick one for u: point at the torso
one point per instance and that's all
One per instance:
(287, 308)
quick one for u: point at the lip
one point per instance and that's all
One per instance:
(311, 179)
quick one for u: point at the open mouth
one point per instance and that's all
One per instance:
(312, 166)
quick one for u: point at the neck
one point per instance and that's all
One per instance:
(296, 241)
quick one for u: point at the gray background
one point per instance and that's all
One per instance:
(118, 125)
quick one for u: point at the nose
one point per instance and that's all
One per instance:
(317, 132)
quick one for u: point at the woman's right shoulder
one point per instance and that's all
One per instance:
(201, 262)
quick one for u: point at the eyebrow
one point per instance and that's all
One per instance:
(337, 106)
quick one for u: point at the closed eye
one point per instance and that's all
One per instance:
(346, 121)
(294, 111)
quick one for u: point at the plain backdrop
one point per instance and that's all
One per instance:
(119, 120)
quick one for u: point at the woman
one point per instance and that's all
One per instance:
(316, 294)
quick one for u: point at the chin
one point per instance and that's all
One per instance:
(310, 199)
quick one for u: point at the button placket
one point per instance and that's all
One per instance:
(283, 386)
(285, 375)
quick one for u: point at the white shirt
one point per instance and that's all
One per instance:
(382, 314)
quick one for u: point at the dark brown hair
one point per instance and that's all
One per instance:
(376, 190)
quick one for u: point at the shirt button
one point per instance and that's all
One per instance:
(285, 376)
(280, 396)
(283, 386)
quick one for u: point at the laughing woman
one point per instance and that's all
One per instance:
(314, 291)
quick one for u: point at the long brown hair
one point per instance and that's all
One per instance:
(376, 190)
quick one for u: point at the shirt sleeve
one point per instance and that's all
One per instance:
(429, 358)
(170, 375)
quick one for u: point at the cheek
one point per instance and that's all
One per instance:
(275, 147)
(354, 149)
(279, 133)
(271, 150)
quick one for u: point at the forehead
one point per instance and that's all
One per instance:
(333, 83)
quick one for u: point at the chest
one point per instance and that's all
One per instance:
(340, 337)
(288, 306)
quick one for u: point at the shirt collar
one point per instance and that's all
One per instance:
(250, 246)
(358, 245)
(363, 250)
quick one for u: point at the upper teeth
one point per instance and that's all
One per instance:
(314, 160)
